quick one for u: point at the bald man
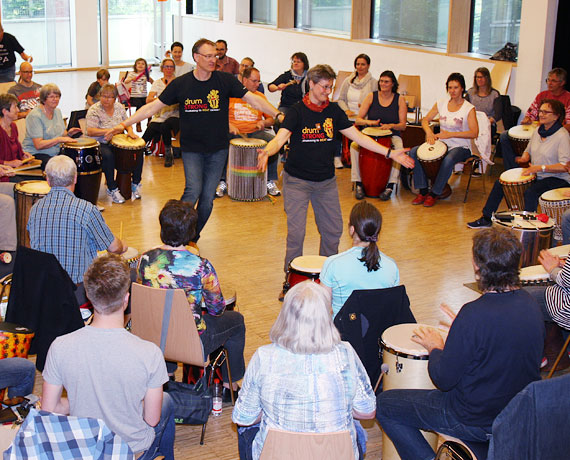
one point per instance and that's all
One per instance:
(26, 90)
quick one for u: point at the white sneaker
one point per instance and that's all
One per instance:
(136, 191)
(272, 189)
(116, 196)
(221, 189)
(338, 163)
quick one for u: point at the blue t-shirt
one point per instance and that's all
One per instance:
(344, 273)
(40, 126)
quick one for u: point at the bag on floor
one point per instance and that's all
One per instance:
(192, 402)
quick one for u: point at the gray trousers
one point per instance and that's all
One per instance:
(8, 240)
(323, 196)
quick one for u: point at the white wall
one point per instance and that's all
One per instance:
(271, 49)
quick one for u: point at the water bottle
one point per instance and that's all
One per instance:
(217, 398)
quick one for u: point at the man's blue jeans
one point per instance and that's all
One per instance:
(202, 172)
(402, 413)
(18, 375)
(163, 443)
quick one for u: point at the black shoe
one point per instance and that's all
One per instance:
(386, 194)
(168, 160)
(482, 222)
(358, 192)
(227, 396)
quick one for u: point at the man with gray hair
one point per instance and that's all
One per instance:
(68, 227)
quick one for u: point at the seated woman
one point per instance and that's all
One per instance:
(356, 86)
(101, 118)
(172, 266)
(458, 125)
(165, 122)
(11, 153)
(387, 110)
(45, 128)
(363, 266)
(483, 96)
(307, 380)
(548, 151)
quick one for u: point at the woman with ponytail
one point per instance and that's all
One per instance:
(363, 266)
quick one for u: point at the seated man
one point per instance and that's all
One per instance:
(18, 375)
(224, 63)
(555, 83)
(68, 227)
(245, 120)
(26, 90)
(548, 152)
(109, 373)
(493, 351)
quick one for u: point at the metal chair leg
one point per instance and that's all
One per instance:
(230, 376)
(203, 434)
(559, 357)
(473, 163)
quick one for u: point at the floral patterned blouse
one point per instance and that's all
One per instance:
(181, 269)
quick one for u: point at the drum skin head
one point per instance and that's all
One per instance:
(399, 338)
(81, 142)
(308, 264)
(375, 131)
(515, 176)
(33, 187)
(125, 142)
(533, 273)
(248, 142)
(523, 132)
(557, 194)
(429, 152)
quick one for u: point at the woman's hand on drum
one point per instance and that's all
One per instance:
(64, 139)
(74, 131)
(429, 338)
(372, 122)
(131, 134)
(430, 138)
(400, 156)
(531, 170)
(6, 171)
(524, 158)
(262, 157)
(549, 261)
(444, 135)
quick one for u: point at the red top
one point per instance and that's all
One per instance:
(10, 147)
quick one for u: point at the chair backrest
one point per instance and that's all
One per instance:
(183, 343)
(411, 85)
(340, 77)
(4, 87)
(21, 125)
(501, 76)
(285, 445)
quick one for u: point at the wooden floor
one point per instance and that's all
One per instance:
(246, 244)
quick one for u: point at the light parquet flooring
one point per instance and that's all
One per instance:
(246, 244)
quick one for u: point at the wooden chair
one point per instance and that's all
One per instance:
(21, 125)
(163, 317)
(501, 76)
(285, 445)
(4, 87)
(410, 87)
(341, 76)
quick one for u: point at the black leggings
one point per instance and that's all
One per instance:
(165, 130)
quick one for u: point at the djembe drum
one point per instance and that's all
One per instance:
(431, 157)
(245, 181)
(554, 203)
(87, 156)
(128, 152)
(374, 167)
(514, 185)
(26, 194)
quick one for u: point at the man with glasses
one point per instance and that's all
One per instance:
(312, 125)
(203, 96)
(26, 90)
(555, 83)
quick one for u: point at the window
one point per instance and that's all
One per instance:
(419, 22)
(131, 30)
(494, 23)
(324, 15)
(42, 27)
(209, 8)
(264, 11)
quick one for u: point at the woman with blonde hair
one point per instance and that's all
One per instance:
(282, 382)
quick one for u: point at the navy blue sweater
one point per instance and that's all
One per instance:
(493, 351)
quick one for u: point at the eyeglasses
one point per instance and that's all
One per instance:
(552, 80)
(326, 87)
(168, 67)
(26, 71)
(207, 56)
(544, 112)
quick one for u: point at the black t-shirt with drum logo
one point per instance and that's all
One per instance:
(313, 140)
(203, 107)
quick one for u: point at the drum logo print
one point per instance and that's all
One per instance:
(316, 134)
(328, 126)
(214, 99)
